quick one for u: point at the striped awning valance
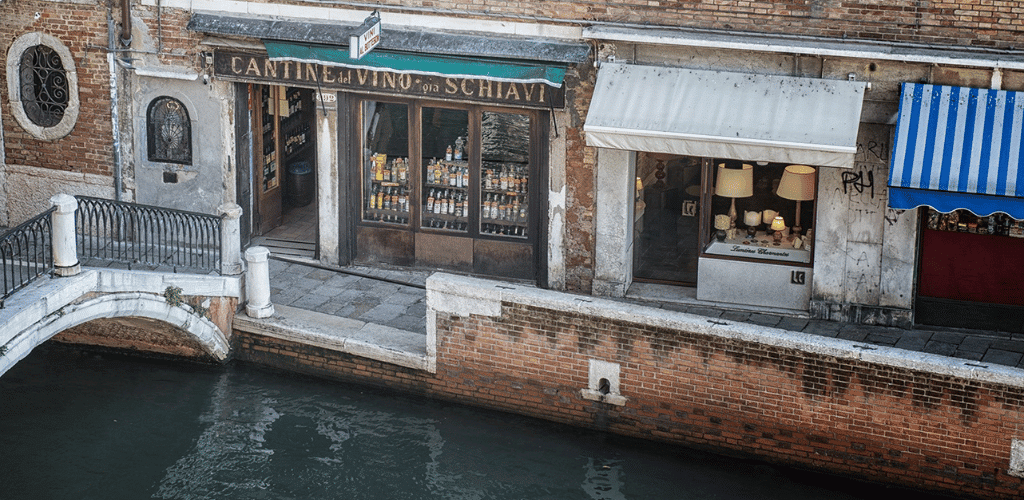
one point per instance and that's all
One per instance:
(959, 147)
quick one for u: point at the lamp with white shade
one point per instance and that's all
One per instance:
(797, 183)
(734, 183)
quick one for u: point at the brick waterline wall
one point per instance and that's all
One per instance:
(870, 412)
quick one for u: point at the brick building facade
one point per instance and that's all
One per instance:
(276, 110)
(582, 235)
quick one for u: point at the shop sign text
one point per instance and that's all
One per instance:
(257, 68)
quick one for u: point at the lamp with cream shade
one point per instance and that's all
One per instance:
(778, 225)
(734, 183)
(797, 183)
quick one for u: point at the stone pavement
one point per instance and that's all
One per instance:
(983, 347)
(379, 299)
(397, 298)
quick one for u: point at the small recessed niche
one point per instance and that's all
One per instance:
(170, 177)
(603, 383)
(1016, 468)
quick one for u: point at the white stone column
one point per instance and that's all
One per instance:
(230, 239)
(257, 283)
(613, 244)
(65, 251)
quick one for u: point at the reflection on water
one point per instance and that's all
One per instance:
(83, 425)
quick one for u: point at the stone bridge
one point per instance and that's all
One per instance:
(164, 313)
(198, 308)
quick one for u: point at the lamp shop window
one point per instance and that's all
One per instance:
(762, 211)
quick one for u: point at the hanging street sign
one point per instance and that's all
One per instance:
(366, 37)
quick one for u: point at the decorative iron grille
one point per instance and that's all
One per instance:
(26, 253)
(169, 131)
(146, 237)
(44, 86)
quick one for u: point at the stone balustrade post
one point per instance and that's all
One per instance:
(230, 239)
(257, 283)
(65, 248)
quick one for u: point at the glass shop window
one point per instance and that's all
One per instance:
(445, 157)
(169, 131)
(504, 173)
(386, 169)
(462, 171)
(762, 211)
(965, 221)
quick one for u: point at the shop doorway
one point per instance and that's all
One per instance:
(970, 271)
(284, 208)
(666, 224)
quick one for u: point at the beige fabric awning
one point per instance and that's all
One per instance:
(725, 115)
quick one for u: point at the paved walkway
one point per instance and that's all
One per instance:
(397, 298)
(361, 293)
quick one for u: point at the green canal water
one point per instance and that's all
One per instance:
(83, 425)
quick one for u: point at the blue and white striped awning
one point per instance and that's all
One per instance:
(959, 147)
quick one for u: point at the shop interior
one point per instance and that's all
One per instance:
(969, 271)
(447, 186)
(757, 210)
(284, 171)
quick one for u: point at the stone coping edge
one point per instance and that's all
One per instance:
(366, 340)
(465, 296)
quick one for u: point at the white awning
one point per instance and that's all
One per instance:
(725, 115)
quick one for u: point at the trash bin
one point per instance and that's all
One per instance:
(300, 184)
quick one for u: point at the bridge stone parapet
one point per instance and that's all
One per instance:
(200, 306)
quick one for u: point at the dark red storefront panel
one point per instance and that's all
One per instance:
(972, 267)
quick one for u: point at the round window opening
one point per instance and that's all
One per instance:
(44, 86)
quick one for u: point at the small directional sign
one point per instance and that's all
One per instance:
(366, 37)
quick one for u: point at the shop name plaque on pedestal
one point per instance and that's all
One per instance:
(260, 69)
(757, 249)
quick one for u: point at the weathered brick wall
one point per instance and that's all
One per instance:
(823, 404)
(973, 22)
(875, 422)
(580, 172)
(786, 398)
(81, 27)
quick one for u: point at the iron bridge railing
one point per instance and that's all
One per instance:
(148, 237)
(26, 253)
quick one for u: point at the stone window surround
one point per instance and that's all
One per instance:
(14, 54)
(187, 136)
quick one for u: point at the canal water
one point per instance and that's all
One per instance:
(85, 425)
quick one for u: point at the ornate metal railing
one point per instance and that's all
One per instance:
(146, 237)
(26, 253)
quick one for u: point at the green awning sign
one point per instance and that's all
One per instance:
(420, 64)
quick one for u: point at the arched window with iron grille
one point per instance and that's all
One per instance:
(169, 131)
(44, 86)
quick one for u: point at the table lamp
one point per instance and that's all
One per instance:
(797, 183)
(778, 225)
(734, 183)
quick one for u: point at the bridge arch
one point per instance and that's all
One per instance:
(116, 305)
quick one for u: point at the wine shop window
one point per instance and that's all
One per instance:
(43, 86)
(169, 131)
(447, 170)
